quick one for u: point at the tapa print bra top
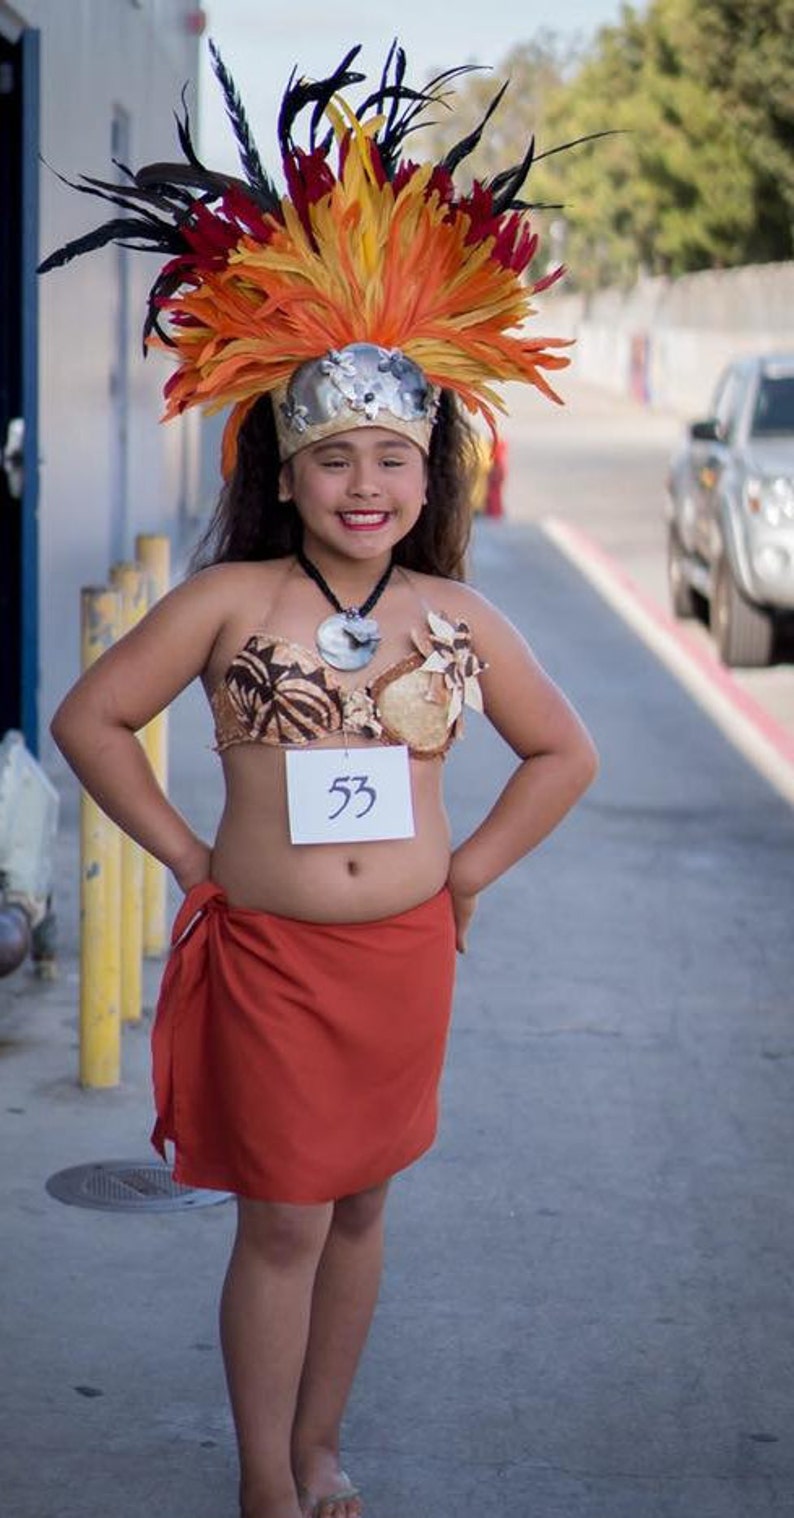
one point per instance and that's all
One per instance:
(280, 693)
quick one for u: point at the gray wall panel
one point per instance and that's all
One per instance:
(97, 55)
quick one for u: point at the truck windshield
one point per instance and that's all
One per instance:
(774, 406)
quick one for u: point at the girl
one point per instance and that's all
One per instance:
(304, 1011)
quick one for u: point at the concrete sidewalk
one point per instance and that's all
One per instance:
(587, 1308)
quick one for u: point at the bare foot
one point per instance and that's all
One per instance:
(285, 1506)
(323, 1487)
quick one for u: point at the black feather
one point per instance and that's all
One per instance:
(126, 198)
(209, 186)
(562, 147)
(400, 64)
(401, 123)
(466, 145)
(184, 133)
(249, 153)
(170, 200)
(326, 89)
(123, 168)
(169, 189)
(505, 186)
(395, 56)
(301, 93)
(150, 241)
(164, 286)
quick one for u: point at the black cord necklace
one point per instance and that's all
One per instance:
(349, 639)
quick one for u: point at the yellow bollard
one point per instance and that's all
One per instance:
(153, 552)
(100, 868)
(131, 583)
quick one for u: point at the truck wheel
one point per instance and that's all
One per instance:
(744, 634)
(682, 596)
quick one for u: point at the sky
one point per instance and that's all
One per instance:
(261, 41)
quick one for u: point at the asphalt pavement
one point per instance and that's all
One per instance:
(600, 463)
(587, 1305)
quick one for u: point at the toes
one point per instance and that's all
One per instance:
(324, 1507)
(346, 1508)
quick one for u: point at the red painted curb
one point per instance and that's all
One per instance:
(774, 733)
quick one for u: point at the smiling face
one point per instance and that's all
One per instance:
(357, 493)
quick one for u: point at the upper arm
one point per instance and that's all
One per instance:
(142, 673)
(519, 698)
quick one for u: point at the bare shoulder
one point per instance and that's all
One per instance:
(520, 699)
(462, 603)
(224, 584)
(174, 643)
(214, 599)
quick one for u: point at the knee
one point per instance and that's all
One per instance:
(280, 1234)
(358, 1214)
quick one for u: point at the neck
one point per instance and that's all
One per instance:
(351, 580)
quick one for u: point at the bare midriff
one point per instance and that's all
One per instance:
(257, 866)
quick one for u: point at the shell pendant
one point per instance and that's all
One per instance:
(347, 641)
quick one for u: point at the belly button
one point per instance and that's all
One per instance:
(353, 867)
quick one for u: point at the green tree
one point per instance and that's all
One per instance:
(701, 172)
(750, 59)
(533, 72)
(675, 191)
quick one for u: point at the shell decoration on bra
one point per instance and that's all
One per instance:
(453, 660)
(278, 692)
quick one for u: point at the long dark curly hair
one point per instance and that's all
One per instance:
(250, 522)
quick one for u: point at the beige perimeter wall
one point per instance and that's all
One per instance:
(666, 341)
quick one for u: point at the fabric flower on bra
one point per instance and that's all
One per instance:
(453, 660)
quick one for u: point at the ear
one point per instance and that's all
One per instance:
(285, 481)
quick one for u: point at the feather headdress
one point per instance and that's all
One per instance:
(365, 247)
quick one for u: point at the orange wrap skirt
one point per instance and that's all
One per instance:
(300, 1061)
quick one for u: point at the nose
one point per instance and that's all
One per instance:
(364, 484)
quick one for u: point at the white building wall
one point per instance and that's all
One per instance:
(97, 55)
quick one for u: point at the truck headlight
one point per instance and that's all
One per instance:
(772, 499)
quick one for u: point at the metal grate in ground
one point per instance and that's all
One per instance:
(127, 1186)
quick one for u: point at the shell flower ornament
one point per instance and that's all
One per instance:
(452, 657)
(360, 713)
(371, 284)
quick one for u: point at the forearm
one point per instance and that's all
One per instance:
(536, 798)
(111, 764)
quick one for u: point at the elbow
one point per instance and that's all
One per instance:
(585, 764)
(66, 727)
(593, 763)
(59, 727)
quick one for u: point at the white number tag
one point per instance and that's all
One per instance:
(349, 795)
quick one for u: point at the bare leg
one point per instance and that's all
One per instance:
(345, 1293)
(265, 1316)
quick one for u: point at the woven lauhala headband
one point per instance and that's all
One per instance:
(370, 248)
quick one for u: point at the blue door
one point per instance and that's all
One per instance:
(19, 199)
